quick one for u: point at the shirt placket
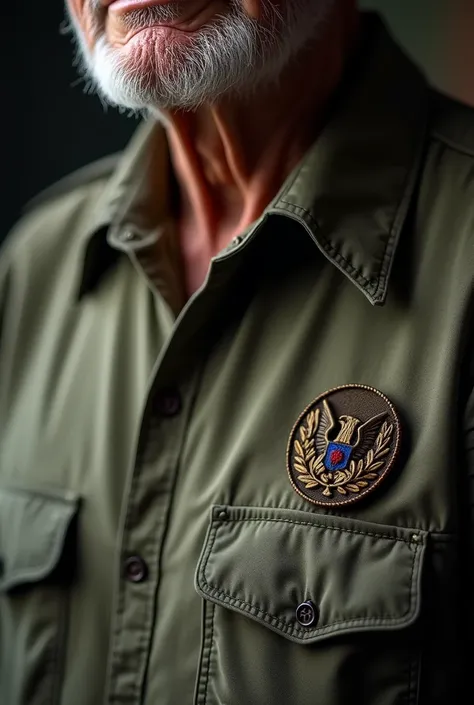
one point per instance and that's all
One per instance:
(144, 524)
(149, 493)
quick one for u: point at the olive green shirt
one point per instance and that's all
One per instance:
(153, 549)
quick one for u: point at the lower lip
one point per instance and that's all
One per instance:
(120, 7)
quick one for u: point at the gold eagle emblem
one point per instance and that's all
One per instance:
(334, 458)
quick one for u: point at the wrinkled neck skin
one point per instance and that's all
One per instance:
(231, 158)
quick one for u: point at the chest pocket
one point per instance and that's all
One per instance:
(35, 573)
(354, 642)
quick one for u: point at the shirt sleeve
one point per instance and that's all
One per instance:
(4, 287)
(468, 486)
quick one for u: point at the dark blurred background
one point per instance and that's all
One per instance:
(50, 127)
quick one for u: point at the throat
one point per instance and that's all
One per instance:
(196, 254)
(198, 247)
(205, 228)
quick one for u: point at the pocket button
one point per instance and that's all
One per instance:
(306, 614)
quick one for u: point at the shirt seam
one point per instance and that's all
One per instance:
(455, 146)
(329, 246)
(316, 525)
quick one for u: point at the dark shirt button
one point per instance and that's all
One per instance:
(135, 569)
(129, 239)
(306, 614)
(129, 236)
(168, 402)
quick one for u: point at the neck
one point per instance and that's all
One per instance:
(232, 157)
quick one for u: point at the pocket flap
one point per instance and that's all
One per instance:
(265, 562)
(33, 528)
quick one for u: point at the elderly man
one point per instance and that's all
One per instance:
(236, 406)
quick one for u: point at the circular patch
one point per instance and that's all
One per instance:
(343, 445)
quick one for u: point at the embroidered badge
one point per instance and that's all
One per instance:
(343, 445)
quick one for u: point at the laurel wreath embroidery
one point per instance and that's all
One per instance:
(312, 471)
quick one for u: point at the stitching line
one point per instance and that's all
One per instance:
(434, 534)
(378, 283)
(319, 526)
(408, 189)
(328, 246)
(209, 655)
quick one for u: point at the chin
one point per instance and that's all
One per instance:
(154, 49)
(138, 75)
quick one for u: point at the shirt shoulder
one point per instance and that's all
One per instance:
(453, 124)
(42, 254)
(85, 176)
(446, 192)
(54, 216)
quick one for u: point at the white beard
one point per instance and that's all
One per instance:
(233, 55)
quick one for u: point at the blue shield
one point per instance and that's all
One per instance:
(337, 456)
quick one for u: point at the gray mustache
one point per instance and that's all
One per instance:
(150, 15)
(136, 18)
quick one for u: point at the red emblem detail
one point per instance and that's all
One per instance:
(336, 457)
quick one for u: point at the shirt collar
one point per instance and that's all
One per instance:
(351, 191)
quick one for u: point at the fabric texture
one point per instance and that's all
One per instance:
(135, 424)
